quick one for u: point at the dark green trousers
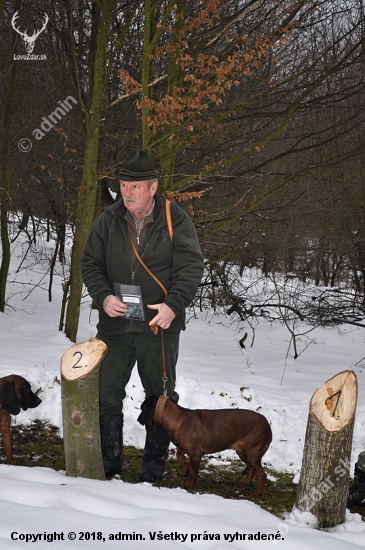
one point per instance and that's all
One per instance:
(124, 350)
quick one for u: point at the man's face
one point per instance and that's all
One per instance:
(138, 196)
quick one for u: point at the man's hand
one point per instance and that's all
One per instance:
(164, 317)
(114, 307)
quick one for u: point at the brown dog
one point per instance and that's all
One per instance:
(199, 432)
(15, 394)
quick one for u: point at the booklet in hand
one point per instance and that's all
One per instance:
(132, 297)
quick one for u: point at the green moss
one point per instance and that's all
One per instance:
(226, 481)
(39, 444)
(278, 496)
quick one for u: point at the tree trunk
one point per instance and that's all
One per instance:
(80, 367)
(324, 479)
(175, 78)
(5, 183)
(51, 270)
(87, 194)
(85, 217)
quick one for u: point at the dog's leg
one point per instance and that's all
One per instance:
(6, 435)
(193, 471)
(249, 471)
(180, 455)
(261, 477)
(254, 467)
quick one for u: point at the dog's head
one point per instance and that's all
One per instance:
(146, 418)
(16, 394)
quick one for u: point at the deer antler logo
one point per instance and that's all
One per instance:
(29, 40)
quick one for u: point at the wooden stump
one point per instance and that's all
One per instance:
(80, 367)
(324, 479)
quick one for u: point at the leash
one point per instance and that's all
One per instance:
(164, 375)
(154, 328)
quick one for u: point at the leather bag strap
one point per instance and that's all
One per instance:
(169, 221)
(155, 327)
(143, 264)
(171, 233)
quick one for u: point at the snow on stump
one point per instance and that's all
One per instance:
(80, 367)
(324, 478)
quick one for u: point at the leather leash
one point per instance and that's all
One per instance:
(154, 328)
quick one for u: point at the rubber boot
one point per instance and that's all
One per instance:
(154, 454)
(111, 432)
(357, 489)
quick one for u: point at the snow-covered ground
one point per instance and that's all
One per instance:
(213, 372)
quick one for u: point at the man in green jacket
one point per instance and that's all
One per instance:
(109, 260)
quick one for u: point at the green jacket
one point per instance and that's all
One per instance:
(108, 258)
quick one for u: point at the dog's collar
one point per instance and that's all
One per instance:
(159, 408)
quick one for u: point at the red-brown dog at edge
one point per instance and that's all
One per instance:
(15, 394)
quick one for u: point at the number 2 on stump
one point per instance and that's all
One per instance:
(76, 365)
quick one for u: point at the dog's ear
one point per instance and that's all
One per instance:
(9, 399)
(27, 399)
(140, 419)
(148, 410)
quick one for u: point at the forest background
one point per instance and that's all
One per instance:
(253, 110)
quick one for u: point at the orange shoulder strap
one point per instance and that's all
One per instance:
(168, 218)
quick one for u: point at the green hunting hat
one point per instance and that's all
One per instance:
(137, 166)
